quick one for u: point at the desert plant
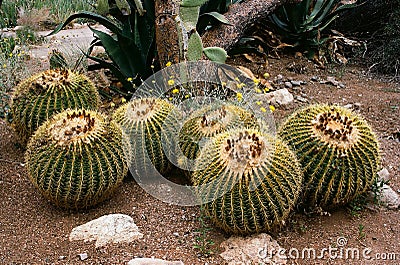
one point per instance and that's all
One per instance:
(207, 122)
(301, 24)
(338, 151)
(42, 95)
(147, 124)
(75, 159)
(131, 45)
(248, 181)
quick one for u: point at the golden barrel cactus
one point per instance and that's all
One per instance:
(147, 125)
(338, 151)
(247, 181)
(76, 159)
(42, 95)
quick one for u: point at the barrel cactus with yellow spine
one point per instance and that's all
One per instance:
(76, 159)
(42, 95)
(148, 125)
(207, 122)
(338, 151)
(248, 181)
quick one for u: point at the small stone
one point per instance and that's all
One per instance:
(301, 99)
(389, 197)
(83, 256)
(383, 175)
(315, 78)
(153, 261)
(348, 106)
(62, 257)
(288, 84)
(176, 234)
(296, 82)
(279, 77)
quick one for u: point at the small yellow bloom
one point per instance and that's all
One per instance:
(175, 91)
(271, 108)
(130, 79)
(266, 75)
(168, 64)
(237, 79)
(152, 66)
(112, 105)
(170, 98)
(223, 83)
(256, 80)
(258, 103)
(171, 82)
(240, 86)
(4, 65)
(263, 109)
(266, 90)
(187, 96)
(239, 96)
(258, 90)
(10, 54)
(153, 81)
(123, 100)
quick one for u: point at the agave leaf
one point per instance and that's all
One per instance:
(102, 7)
(191, 3)
(89, 15)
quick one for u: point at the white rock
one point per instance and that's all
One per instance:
(383, 174)
(257, 249)
(113, 228)
(83, 256)
(278, 97)
(148, 261)
(389, 197)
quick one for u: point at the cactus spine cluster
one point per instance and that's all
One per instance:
(147, 125)
(76, 159)
(338, 151)
(41, 96)
(248, 181)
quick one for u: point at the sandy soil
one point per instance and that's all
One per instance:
(34, 232)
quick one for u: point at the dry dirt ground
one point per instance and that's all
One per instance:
(34, 232)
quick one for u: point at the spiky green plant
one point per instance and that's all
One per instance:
(147, 124)
(42, 95)
(247, 180)
(76, 159)
(338, 152)
(207, 122)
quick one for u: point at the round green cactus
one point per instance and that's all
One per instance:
(76, 158)
(338, 152)
(248, 181)
(41, 96)
(147, 125)
(207, 122)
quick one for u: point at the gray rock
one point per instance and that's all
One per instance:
(296, 82)
(256, 249)
(83, 256)
(384, 175)
(389, 197)
(281, 97)
(288, 84)
(151, 261)
(112, 228)
(301, 99)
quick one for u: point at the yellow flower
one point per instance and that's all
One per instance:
(175, 91)
(223, 83)
(130, 79)
(263, 109)
(258, 103)
(112, 105)
(168, 64)
(266, 90)
(241, 85)
(256, 80)
(272, 108)
(123, 100)
(258, 90)
(10, 54)
(239, 96)
(170, 98)
(266, 75)
(187, 96)
(152, 66)
(171, 82)
(4, 65)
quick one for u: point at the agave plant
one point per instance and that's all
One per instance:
(130, 46)
(301, 24)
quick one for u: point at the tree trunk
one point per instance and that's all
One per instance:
(241, 16)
